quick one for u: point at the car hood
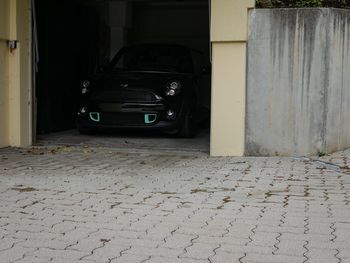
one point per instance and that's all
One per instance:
(154, 81)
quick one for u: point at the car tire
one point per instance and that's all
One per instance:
(189, 126)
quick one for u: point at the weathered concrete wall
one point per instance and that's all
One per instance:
(337, 135)
(298, 97)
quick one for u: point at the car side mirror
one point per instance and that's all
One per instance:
(206, 70)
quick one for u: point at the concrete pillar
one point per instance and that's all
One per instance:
(24, 36)
(15, 128)
(14, 82)
(229, 34)
(4, 70)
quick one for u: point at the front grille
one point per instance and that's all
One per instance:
(123, 119)
(127, 96)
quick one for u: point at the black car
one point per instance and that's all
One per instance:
(163, 87)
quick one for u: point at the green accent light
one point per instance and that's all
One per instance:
(150, 118)
(95, 116)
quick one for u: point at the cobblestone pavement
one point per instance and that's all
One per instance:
(81, 204)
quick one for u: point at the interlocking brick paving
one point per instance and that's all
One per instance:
(96, 204)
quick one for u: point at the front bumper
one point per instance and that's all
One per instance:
(131, 115)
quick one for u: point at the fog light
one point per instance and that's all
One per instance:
(95, 116)
(170, 114)
(83, 111)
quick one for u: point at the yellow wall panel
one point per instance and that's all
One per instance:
(228, 99)
(4, 19)
(15, 73)
(229, 20)
(229, 34)
(4, 70)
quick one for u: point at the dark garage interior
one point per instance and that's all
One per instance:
(75, 37)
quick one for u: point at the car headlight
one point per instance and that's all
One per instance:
(173, 88)
(85, 86)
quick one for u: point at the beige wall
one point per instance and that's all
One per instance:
(229, 34)
(229, 20)
(4, 66)
(24, 38)
(15, 128)
(228, 99)
(4, 70)
(4, 19)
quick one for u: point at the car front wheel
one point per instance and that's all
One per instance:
(189, 126)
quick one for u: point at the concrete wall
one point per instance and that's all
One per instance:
(298, 99)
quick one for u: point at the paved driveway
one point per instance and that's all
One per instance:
(82, 204)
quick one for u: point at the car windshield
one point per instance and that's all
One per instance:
(166, 59)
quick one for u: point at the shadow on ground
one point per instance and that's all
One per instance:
(130, 140)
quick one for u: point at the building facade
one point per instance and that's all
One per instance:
(229, 25)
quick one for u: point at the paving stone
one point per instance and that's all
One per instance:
(34, 235)
(7, 243)
(159, 252)
(97, 204)
(262, 258)
(30, 259)
(63, 254)
(236, 249)
(322, 255)
(200, 251)
(174, 260)
(221, 257)
(15, 253)
(290, 247)
(106, 252)
(178, 241)
(45, 243)
(129, 258)
(231, 240)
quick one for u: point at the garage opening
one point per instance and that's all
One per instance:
(78, 40)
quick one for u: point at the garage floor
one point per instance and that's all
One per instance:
(131, 141)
